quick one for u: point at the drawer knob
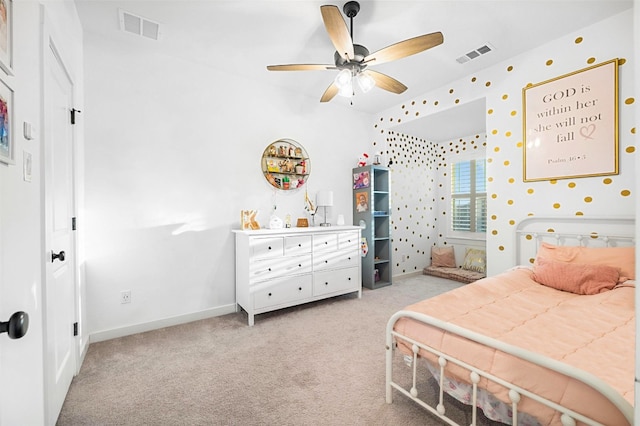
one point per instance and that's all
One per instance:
(326, 261)
(269, 294)
(300, 288)
(299, 265)
(349, 278)
(326, 283)
(269, 269)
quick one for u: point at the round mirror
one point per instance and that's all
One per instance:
(285, 164)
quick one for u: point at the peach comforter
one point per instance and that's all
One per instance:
(594, 333)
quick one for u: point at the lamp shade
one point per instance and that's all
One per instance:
(324, 198)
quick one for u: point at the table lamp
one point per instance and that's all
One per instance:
(324, 199)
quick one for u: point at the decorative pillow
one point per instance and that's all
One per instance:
(578, 278)
(623, 258)
(475, 260)
(443, 257)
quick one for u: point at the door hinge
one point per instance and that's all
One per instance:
(73, 115)
(73, 223)
(75, 328)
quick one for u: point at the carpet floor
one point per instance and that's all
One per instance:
(321, 363)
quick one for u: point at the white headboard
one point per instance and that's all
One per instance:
(571, 231)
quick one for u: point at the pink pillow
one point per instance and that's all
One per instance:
(623, 258)
(578, 278)
(443, 256)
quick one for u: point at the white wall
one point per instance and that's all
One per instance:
(173, 154)
(22, 393)
(511, 200)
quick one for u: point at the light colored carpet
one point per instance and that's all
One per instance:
(317, 364)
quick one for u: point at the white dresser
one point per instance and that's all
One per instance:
(277, 268)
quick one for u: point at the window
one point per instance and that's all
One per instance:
(469, 196)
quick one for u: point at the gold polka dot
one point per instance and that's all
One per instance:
(629, 101)
(529, 237)
(588, 199)
(531, 260)
(494, 217)
(556, 205)
(579, 213)
(508, 134)
(490, 179)
(622, 61)
(513, 113)
(494, 196)
(510, 68)
(511, 180)
(490, 111)
(457, 101)
(505, 96)
(519, 144)
(625, 193)
(591, 60)
(435, 103)
(494, 232)
(489, 160)
(630, 149)
(579, 40)
(549, 62)
(530, 191)
(553, 181)
(571, 184)
(510, 202)
(506, 163)
(494, 132)
(473, 79)
(633, 130)
(496, 149)
(512, 222)
(487, 84)
(607, 181)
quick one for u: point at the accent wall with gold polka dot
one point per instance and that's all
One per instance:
(418, 165)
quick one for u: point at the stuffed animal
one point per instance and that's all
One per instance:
(362, 161)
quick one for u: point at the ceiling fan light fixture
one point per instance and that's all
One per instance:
(366, 82)
(346, 91)
(343, 79)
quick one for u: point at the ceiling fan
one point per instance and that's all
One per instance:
(352, 60)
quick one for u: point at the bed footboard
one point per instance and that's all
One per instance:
(568, 416)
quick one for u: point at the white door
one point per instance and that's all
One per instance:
(60, 343)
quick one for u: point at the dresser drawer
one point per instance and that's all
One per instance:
(266, 269)
(297, 245)
(325, 242)
(336, 259)
(326, 282)
(348, 241)
(283, 291)
(266, 247)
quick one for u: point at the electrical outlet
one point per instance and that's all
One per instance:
(125, 296)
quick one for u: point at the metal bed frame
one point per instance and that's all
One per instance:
(531, 231)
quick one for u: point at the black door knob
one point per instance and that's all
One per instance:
(55, 256)
(17, 325)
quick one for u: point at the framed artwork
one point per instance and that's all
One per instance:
(571, 125)
(7, 148)
(6, 36)
(360, 180)
(362, 201)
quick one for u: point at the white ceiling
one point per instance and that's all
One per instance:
(243, 37)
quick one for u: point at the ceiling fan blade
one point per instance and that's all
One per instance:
(300, 67)
(405, 48)
(338, 32)
(385, 82)
(328, 94)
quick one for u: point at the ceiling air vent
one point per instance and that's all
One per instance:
(484, 49)
(138, 25)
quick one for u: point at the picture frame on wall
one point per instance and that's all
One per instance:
(7, 146)
(6, 36)
(570, 125)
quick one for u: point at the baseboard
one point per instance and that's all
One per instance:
(407, 275)
(166, 322)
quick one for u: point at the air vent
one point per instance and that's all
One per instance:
(482, 50)
(138, 25)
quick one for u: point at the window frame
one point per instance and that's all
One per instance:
(463, 235)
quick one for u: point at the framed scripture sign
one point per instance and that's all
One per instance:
(570, 125)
